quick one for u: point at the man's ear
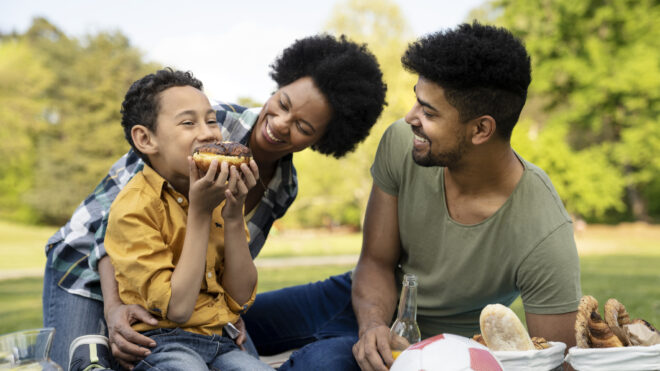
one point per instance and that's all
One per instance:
(144, 139)
(483, 129)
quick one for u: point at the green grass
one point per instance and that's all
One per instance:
(309, 243)
(618, 262)
(22, 247)
(20, 299)
(634, 280)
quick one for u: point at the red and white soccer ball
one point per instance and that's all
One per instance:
(447, 352)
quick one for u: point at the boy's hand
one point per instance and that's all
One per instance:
(238, 188)
(208, 191)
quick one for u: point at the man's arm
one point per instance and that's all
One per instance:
(374, 292)
(553, 327)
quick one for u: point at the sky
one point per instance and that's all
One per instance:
(228, 45)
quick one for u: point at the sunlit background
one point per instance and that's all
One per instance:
(592, 120)
(227, 44)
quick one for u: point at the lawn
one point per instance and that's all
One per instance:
(620, 262)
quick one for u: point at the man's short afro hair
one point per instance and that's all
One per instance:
(483, 69)
(349, 77)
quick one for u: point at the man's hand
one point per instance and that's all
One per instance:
(127, 345)
(372, 351)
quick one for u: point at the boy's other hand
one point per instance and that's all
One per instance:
(237, 189)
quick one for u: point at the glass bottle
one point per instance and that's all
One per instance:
(404, 330)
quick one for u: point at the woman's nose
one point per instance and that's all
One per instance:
(282, 123)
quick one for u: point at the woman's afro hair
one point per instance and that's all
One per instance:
(349, 77)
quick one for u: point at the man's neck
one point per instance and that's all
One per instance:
(481, 184)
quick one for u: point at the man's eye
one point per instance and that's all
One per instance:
(212, 122)
(426, 114)
(187, 123)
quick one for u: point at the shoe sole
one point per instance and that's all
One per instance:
(86, 339)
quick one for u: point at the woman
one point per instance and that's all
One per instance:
(330, 93)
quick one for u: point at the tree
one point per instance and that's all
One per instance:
(596, 73)
(76, 112)
(24, 79)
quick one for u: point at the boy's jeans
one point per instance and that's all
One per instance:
(183, 350)
(316, 317)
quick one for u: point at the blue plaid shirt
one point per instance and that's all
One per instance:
(78, 246)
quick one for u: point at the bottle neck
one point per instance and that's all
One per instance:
(408, 300)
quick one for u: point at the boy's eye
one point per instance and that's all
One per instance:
(212, 122)
(283, 106)
(188, 122)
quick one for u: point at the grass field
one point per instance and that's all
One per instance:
(621, 262)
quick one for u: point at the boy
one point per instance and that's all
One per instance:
(176, 251)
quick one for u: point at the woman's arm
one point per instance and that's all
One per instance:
(126, 344)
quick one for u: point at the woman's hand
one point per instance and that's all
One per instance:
(127, 345)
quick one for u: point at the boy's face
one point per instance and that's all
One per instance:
(185, 121)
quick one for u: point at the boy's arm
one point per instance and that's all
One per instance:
(205, 194)
(239, 277)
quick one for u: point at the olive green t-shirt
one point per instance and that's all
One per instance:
(525, 248)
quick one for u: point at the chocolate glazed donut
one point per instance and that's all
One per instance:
(230, 152)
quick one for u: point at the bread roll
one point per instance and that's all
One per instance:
(502, 330)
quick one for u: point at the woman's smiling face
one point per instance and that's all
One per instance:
(293, 118)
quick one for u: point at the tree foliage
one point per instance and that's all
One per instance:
(62, 124)
(591, 121)
(596, 75)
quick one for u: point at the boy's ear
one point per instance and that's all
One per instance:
(483, 129)
(144, 140)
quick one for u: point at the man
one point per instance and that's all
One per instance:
(454, 204)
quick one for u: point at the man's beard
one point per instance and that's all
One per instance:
(447, 158)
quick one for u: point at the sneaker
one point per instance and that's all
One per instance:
(89, 352)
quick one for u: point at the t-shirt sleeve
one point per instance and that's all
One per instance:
(143, 262)
(549, 277)
(388, 164)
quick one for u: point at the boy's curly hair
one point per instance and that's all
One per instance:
(141, 104)
(349, 77)
(484, 70)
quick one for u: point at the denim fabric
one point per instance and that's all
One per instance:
(316, 317)
(71, 315)
(181, 350)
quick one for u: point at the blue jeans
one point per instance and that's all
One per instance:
(74, 315)
(181, 350)
(318, 318)
(71, 315)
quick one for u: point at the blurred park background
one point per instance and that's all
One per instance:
(592, 122)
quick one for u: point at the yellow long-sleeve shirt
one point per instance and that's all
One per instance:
(144, 239)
